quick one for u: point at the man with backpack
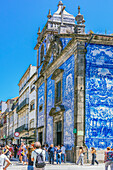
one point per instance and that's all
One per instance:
(37, 157)
(3, 159)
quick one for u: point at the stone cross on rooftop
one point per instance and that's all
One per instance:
(61, 13)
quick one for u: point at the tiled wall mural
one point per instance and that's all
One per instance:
(68, 102)
(99, 96)
(50, 104)
(41, 99)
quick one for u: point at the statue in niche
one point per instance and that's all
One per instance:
(56, 47)
(55, 50)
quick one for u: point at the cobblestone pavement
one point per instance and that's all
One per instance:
(68, 166)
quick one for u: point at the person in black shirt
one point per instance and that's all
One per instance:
(51, 152)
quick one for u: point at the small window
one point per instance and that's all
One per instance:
(32, 106)
(40, 108)
(32, 123)
(58, 92)
(32, 87)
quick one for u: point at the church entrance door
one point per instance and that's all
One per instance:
(59, 132)
(40, 137)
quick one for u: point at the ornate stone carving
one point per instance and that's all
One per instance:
(56, 47)
(56, 73)
(56, 110)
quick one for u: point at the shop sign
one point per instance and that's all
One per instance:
(16, 134)
(16, 137)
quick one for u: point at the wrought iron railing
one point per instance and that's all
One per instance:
(24, 103)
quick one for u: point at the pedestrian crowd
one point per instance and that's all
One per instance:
(35, 155)
(108, 158)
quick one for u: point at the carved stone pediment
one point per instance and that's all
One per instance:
(55, 49)
(56, 73)
(56, 110)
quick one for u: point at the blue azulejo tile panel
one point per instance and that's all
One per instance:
(50, 104)
(99, 96)
(41, 99)
(68, 102)
(65, 41)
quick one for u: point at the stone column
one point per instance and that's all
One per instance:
(45, 110)
(79, 97)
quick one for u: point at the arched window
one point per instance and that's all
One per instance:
(42, 53)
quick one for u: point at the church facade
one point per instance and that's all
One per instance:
(74, 85)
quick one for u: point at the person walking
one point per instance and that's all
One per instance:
(63, 149)
(58, 155)
(106, 158)
(38, 155)
(46, 150)
(24, 154)
(3, 159)
(111, 165)
(19, 153)
(81, 156)
(15, 150)
(30, 162)
(6, 151)
(94, 156)
(51, 152)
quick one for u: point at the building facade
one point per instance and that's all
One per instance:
(26, 106)
(3, 107)
(74, 85)
(10, 120)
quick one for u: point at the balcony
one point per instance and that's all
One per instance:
(23, 87)
(22, 128)
(24, 103)
(33, 88)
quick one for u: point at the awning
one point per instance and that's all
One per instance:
(27, 137)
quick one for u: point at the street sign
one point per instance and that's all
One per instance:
(74, 130)
(16, 134)
(16, 137)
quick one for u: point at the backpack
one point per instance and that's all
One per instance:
(39, 160)
(109, 156)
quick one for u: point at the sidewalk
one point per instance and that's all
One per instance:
(64, 166)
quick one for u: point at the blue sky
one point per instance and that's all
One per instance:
(19, 22)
